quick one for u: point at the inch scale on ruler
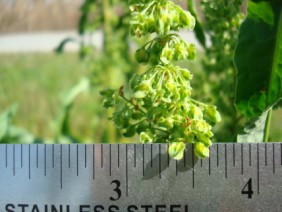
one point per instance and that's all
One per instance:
(135, 177)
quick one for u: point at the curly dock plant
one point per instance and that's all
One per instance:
(158, 104)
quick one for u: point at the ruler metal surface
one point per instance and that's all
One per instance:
(133, 177)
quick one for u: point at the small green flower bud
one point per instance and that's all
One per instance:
(166, 122)
(187, 20)
(200, 126)
(146, 137)
(186, 74)
(211, 114)
(176, 150)
(191, 49)
(141, 56)
(170, 85)
(179, 51)
(201, 151)
(205, 140)
(141, 90)
(195, 112)
(166, 55)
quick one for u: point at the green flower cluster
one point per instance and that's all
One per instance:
(169, 17)
(158, 104)
(165, 49)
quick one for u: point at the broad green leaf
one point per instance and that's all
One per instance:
(6, 121)
(253, 131)
(258, 58)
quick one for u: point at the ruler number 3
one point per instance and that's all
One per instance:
(248, 188)
(117, 190)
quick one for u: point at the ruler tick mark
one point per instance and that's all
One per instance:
(77, 159)
(234, 156)
(36, 155)
(176, 167)
(61, 166)
(53, 157)
(102, 156)
(126, 168)
(281, 153)
(250, 155)
(168, 157)
(217, 156)
(184, 159)
(209, 162)
(160, 162)
(21, 155)
(258, 166)
(93, 160)
(118, 155)
(29, 161)
(143, 159)
(273, 149)
(110, 158)
(6, 155)
(134, 155)
(265, 153)
(151, 155)
(225, 154)
(242, 160)
(193, 171)
(45, 160)
(14, 161)
(85, 156)
(69, 155)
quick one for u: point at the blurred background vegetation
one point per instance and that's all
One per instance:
(56, 93)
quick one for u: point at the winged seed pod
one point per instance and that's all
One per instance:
(159, 106)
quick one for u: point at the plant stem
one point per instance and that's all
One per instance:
(267, 126)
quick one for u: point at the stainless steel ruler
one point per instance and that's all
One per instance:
(133, 177)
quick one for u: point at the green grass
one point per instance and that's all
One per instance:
(38, 81)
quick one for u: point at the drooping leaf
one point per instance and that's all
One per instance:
(62, 121)
(258, 58)
(6, 121)
(62, 45)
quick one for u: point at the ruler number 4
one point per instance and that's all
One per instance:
(248, 188)
(117, 190)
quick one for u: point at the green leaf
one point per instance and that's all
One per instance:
(6, 121)
(130, 131)
(253, 131)
(82, 86)
(62, 120)
(258, 58)
(62, 45)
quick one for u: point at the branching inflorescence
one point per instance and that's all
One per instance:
(158, 103)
